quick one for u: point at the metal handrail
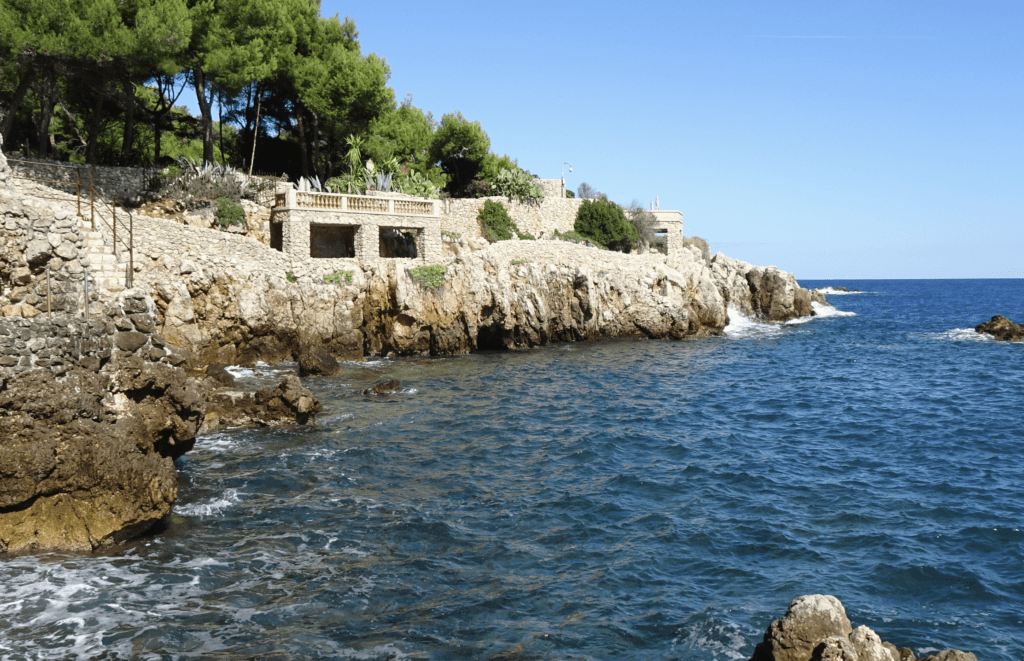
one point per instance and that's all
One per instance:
(112, 225)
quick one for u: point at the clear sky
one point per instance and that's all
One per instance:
(835, 139)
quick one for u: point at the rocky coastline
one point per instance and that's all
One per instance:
(146, 364)
(815, 628)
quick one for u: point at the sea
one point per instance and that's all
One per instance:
(621, 499)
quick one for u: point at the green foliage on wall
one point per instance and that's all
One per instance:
(605, 224)
(518, 185)
(497, 225)
(338, 277)
(429, 277)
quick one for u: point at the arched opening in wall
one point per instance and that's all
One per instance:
(490, 338)
(332, 241)
(398, 243)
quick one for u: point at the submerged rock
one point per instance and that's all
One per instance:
(816, 628)
(383, 387)
(1002, 328)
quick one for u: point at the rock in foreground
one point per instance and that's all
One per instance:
(816, 628)
(88, 460)
(1002, 328)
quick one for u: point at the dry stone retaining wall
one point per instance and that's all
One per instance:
(39, 238)
(124, 327)
(459, 216)
(117, 182)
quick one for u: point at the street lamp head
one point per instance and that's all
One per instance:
(570, 168)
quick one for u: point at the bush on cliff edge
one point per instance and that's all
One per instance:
(605, 224)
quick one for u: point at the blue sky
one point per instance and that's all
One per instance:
(831, 139)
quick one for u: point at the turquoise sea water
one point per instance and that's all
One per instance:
(609, 500)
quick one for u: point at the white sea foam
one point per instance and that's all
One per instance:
(828, 291)
(961, 335)
(213, 506)
(741, 327)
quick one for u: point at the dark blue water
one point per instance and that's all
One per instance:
(612, 500)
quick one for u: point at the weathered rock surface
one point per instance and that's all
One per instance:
(383, 387)
(87, 460)
(317, 361)
(816, 628)
(1002, 328)
(289, 403)
(508, 295)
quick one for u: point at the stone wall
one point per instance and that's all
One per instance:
(40, 238)
(295, 233)
(122, 327)
(119, 183)
(458, 216)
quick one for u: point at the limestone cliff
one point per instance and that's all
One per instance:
(509, 295)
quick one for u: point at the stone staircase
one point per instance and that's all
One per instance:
(106, 271)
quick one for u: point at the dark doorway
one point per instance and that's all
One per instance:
(398, 243)
(332, 241)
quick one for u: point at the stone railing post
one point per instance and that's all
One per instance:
(391, 205)
(289, 199)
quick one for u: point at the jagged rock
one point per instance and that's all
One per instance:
(88, 461)
(808, 622)
(1002, 328)
(869, 646)
(289, 403)
(950, 655)
(317, 361)
(220, 376)
(815, 628)
(383, 387)
(835, 648)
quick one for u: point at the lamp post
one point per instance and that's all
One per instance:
(563, 175)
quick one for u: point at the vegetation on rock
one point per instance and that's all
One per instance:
(229, 213)
(429, 277)
(605, 224)
(497, 225)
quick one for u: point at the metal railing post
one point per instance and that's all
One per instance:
(129, 281)
(92, 200)
(78, 190)
(86, 273)
(113, 202)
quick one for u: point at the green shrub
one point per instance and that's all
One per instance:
(229, 213)
(289, 276)
(429, 277)
(495, 222)
(497, 225)
(605, 224)
(517, 185)
(338, 276)
(517, 262)
(451, 235)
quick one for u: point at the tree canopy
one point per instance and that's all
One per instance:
(277, 85)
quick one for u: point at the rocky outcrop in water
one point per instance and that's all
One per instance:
(816, 628)
(1002, 328)
(317, 361)
(289, 403)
